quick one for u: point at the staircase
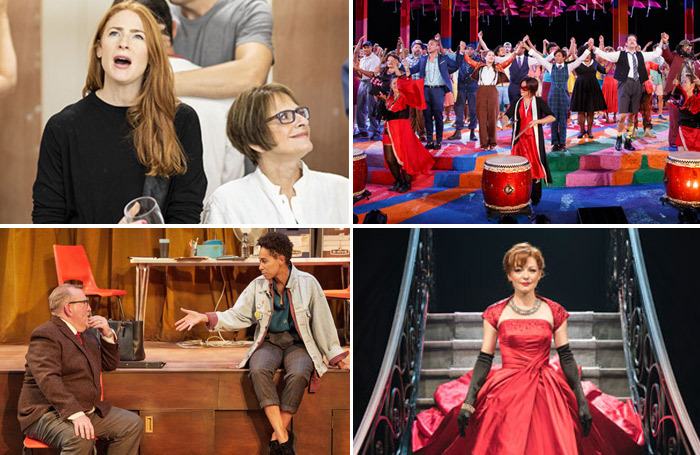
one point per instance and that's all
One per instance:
(453, 340)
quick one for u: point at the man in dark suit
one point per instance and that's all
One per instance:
(61, 399)
(435, 70)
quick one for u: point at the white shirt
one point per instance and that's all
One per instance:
(487, 75)
(321, 198)
(369, 63)
(614, 57)
(222, 163)
(548, 65)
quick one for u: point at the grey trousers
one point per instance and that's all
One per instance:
(123, 430)
(279, 349)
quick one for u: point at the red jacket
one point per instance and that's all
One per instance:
(675, 63)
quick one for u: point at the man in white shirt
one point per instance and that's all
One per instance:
(630, 73)
(369, 64)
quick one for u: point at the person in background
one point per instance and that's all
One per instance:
(466, 95)
(8, 58)
(435, 70)
(231, 40)
(367, 67)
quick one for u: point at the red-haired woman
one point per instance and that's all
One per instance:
(530, 404)
(127, 137)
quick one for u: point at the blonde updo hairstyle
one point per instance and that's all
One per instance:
(518, 255)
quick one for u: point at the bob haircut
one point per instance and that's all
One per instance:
(518, 255)
(247, 124)
(532, 85)
(152, 117)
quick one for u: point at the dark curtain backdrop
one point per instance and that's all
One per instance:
(28, 274)
(469, 273)
(671, 257)
(378, 260)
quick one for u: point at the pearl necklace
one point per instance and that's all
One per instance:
(522, 311)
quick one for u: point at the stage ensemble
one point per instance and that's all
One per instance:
(606, 93)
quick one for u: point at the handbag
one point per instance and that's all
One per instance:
(130, 335)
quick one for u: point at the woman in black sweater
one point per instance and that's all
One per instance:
(128, 136)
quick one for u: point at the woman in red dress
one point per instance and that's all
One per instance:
(529, 404)
(529, 114)
(404, 154)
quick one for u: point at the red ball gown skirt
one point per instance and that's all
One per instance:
(526, 407)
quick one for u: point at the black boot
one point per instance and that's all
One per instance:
(274, 447)
(472, 136)
(536, 195)
(457, 135)
(430, 145)
(618, 143)
(287, 448)
(395, 186)
(437, 146)
(406, 184)
(629, 146)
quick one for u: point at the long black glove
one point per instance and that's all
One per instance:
(568, 365)
(481, 370)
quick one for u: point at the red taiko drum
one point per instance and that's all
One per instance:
(682, 179)
(506, 183)
(359, 172)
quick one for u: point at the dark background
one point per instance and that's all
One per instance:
(383, 25)
(469, 277)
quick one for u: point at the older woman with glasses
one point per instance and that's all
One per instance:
(529, 113)
(268, 126)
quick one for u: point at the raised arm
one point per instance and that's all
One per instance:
(656, 53)
(540, 59)
(609, 56)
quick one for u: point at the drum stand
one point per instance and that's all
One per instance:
(503, 216)
(686, 214)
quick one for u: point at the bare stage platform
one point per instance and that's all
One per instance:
(198, 403)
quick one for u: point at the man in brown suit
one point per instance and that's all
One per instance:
(61, 399)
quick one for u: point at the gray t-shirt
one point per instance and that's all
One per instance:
(213, 38)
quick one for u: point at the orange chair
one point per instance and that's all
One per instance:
(72, 264)
(32, 444)
(344, 295)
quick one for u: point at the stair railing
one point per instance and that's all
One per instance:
(386, 425)
(653, 387)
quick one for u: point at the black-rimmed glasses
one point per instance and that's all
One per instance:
(85, 302)
(288, 116)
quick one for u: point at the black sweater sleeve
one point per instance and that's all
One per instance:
(49, 192)
(187, 191)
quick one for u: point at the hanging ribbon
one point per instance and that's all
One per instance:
(395, 10)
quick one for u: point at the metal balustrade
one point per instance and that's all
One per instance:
(386, 425)
(654, 391)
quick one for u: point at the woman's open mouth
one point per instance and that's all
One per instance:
(122, 62)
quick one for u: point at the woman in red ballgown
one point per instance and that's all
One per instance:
(526, 405)
(404, 154)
